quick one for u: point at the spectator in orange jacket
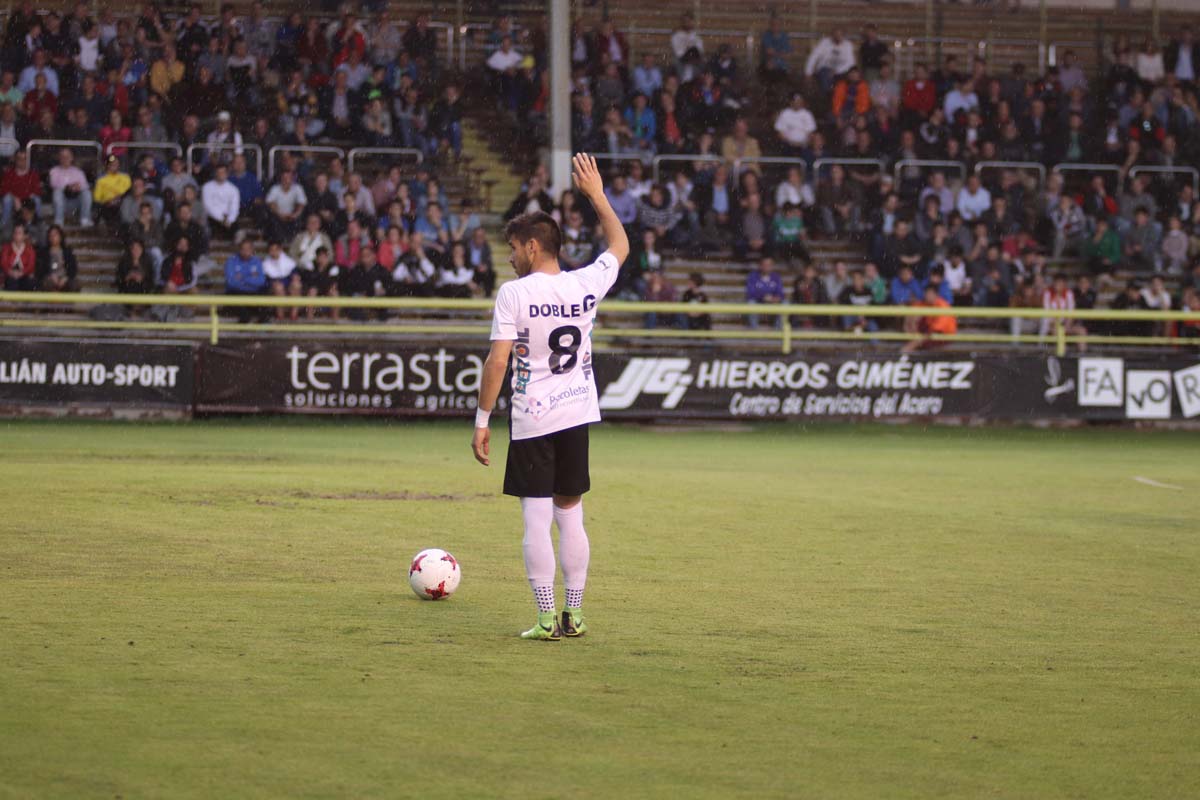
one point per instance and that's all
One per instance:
(944, 324)
(851, 96)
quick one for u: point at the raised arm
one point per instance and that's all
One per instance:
(587, 179)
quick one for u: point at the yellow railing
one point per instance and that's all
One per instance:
(786, 334)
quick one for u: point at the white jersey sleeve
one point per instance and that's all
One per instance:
(600, 275)
(504, 315)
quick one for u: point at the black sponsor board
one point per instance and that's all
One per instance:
(981, 386)
(339, 378)
(117, 374)
(420, 379)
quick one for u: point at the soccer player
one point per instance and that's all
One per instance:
(543, 323)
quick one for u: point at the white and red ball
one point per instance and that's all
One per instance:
(434, 574)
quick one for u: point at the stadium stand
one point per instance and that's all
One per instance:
(742, 147)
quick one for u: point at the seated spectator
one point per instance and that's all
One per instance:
(69, 188)
(1102, 250)
(741, 145)
(809, 290)
(251, 205)
(415, 274)
(794, 190)
(764, 285)
(114, 134)
(929, 327)
(1059, 297)
(776, 47)
(788, 235)
(39, 99)
(857, 293)
(994, 293)
(1157, 299)
(244, 276)
(18, 184)
(434, 228)
(695, 294)
(307, 242)
(657, 214)
(132, 202)
(177, 275)
(660, 290)
(851, 97)
(366, 278)
(958, 282)
(901, 250)
(1175, 247)
(905, 290)
(577, 241)
(642, 125)
(753, 228)
(794, 125)
(148, 231)
(56, 268)
(647, 257)
(1085, 295)
(623, 201)
(534, 197)
(831, 57)
(135, 270)
(836, 279)
(1142, 242)
(285, 207)
(18, 262)
(454, 279)
(184, 224)
(1131, 299)
(973, 199)
(283, 277)
(222, 203)
(840, 203)
(1070, 228)
(479, 256)
(321, 280)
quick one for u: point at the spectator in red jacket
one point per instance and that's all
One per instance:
(18, 184)
(18, 262)
(919, 95)
(41, 98)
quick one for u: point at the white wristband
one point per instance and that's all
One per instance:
(482, 417)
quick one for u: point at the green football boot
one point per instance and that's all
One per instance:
(546, 630)
(572, 622)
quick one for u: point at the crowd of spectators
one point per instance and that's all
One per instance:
(990, 238)
(237, 86)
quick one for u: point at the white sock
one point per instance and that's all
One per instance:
(573, 550)
(539, 550)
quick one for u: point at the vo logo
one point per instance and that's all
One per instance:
(1148, 394)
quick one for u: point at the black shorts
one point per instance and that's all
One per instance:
(544, 466)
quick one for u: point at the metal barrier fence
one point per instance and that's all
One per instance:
(1023, 166)
(223, 146)
(786, 334)
(399, 152)
(921, 163)
(169, 147)
(1191, 172)
(72, 144)
(284, 148)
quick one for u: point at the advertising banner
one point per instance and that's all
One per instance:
(414, 379)
(393, 379)
(64, 372)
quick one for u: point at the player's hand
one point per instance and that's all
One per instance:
(586, 175)
(481, 444)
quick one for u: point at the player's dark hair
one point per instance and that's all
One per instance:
(535, 226)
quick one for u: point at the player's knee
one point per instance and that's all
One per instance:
(566, 501)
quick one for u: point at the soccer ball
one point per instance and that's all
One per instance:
(434, 574)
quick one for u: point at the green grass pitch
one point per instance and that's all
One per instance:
(221, 609)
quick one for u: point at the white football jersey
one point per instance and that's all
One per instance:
(550, 318)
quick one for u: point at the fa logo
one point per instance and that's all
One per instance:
(1101, 382)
